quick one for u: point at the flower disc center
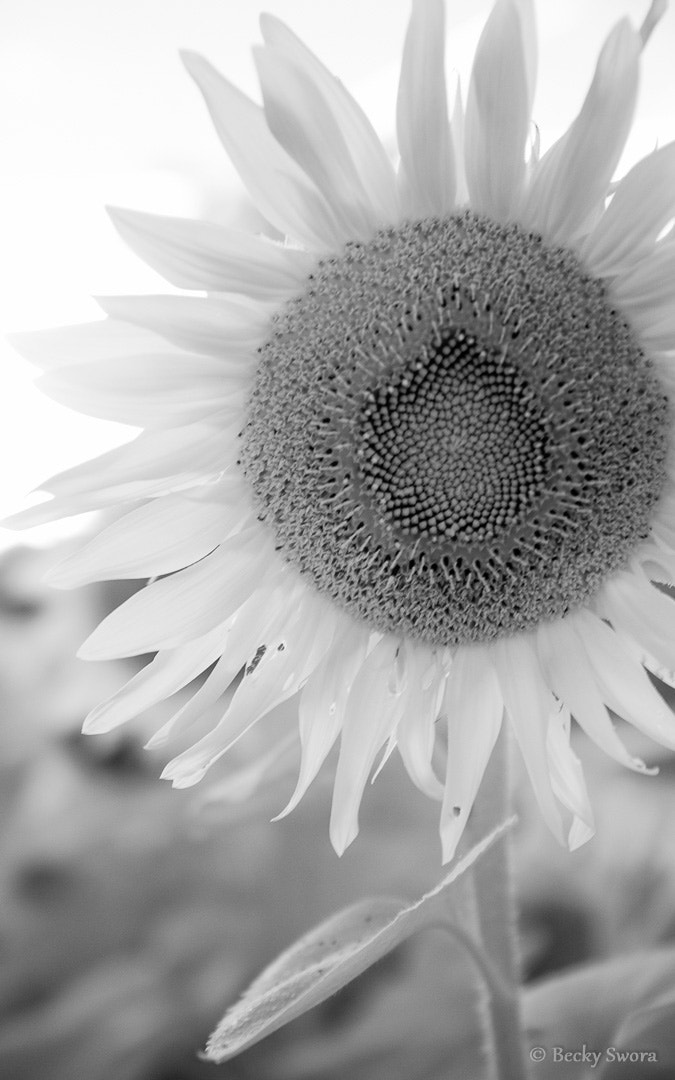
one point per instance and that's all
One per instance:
(453, 433)
(451, 447)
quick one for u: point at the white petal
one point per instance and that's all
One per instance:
(152, 390)
(92, 342)
(647, 296)
(199, 706)
(303, 123)
(457, 131)
(165, 675)
(155, 463)
(529, 705)
(370, 161)
(373, 710)
(243, 782)
(571, 678)
(427, 170)
(280, 190)
(258, 618)
(211, 325)
(573, 177)
(643, 612)
(643, 203)
(416, 731)
(185, 605)
(649, 287)
(567, 779)
(322, 705)
(498, 109)
(287, 662)
(474, 706)
(204, 255)
(623, 683)
(162, 536)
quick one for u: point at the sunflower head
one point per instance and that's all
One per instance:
(411, 470)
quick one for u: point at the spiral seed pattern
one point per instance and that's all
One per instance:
(453, 433)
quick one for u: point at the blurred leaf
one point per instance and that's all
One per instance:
(327, 958)
(613, 1004)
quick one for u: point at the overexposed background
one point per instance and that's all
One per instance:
(95, 108)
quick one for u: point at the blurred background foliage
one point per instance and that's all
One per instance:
(132, 915)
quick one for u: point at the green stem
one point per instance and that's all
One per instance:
(495, 921)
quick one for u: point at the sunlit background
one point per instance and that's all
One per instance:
(96, 109)
(131, 915)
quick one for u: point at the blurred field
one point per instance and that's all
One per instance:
(131, 915)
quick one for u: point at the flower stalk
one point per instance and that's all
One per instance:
(495, 922)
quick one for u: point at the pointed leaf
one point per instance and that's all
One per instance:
(327, 958)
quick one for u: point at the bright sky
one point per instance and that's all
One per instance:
(97, 110)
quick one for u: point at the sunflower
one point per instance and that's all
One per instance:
(412, 467)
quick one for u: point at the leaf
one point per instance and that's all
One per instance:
(328, 957)
(626, 1003)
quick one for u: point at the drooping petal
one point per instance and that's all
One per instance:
(571, 678)
(260, 616)
(572, 178)
(278, 187)
(643, 203)
(643, 612)
(416, 730)
(200, 705)
(623, 683)
(322, 705)
(427, 169)
(498, 109)
(286, 663)
(373, 709)
(529, 705)
(156, 390)
(204, 255)
(567, 779)
(370, 162)
(474, 707)
(188, 604)
(212, 325)
(231, 796)
(168, 672)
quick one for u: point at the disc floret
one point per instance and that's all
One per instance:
(453, 432)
